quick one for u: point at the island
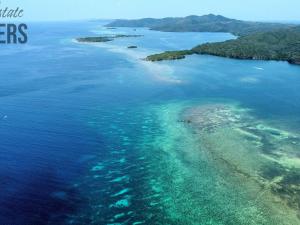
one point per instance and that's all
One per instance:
(104, 38)
(94, 39)
(127, 35)
(132, 46)
(256, 40)
(282, 44)
(169, 55)
(206, 23)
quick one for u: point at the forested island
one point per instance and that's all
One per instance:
(169, 55)
(256, 40)
(94, 39)
(104, 38)
(282, 44)
(206, 23)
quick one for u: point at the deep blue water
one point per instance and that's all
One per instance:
(64, 105)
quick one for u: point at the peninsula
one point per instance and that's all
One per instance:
(256, 40)
(282, 44)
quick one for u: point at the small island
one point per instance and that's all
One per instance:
(132, 46)
(169, 55)
(127, 35)
(94, 39)
(104, 38)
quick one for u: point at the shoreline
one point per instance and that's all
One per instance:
(174, 55)
(106, 38)
(137, 57)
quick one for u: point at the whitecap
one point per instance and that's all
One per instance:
(121, 192)
(258, 68)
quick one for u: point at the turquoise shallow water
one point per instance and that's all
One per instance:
(91, 134)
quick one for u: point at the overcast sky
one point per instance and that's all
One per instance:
(40, 10)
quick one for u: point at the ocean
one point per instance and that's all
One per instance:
(93, 134)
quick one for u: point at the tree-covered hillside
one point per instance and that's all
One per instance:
(282, 44)
(206, 23)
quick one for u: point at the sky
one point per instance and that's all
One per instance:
(56, 10)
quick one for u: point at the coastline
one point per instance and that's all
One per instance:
(177, 55)
(256, 40)
(162, 73)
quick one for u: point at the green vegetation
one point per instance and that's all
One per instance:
(132, 46)
(257, 40)
(206, 23)
(104, 38)
(169, 55)
(126, 35)
(94, 39)
(282, 44)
